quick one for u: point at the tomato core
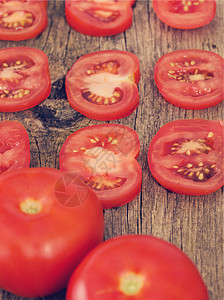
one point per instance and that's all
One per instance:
(99, 92)
(105, 16)
(31, 206)
(100, 160)
(131, 284)
(17, 20)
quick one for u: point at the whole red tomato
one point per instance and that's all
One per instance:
(136, 268)
(49, 221)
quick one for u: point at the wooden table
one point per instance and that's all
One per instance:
(194, 224)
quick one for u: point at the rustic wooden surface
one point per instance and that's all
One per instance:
(194, 224)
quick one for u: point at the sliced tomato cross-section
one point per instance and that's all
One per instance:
(99, 17)
(103, 85)
(105, 157)
(14, 146)
(22, 19)
(191, 79)
(186, 156)
(24, 78)
(185, 14)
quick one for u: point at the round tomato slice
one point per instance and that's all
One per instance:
(184, 14)
(99, 18)
(24, 78)
(22, 19)
(104, 156)
(102, 85)
(186, 156)
(191, 79)
(136, 267)
(49, 221)
(14, 146)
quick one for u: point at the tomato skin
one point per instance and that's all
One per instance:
(36, 78)
(39, 251)
(14, 146)
(125, 78)
(204, 13)
(116, 163)
(37, 8)
(199, 94)
(161, 163)
(78, 18)
(166, 272)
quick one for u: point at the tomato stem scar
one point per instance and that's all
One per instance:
(31, 206)
(131, 283)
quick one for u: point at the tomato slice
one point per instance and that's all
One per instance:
(14, 146)
(99, 18)
(42, 233)
(185, 14)
(186, 156)
(136, 267)
(191, 79)
(102, 85)
(24, 78)
(104, 156)
(22, 19)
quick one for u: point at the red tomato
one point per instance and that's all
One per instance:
(104, 156)
(191, 79)
(185, 14)
(24, 78)
(102, 85)
(99, 18)
(14, 146)
(186, 156)
(22, 19)
(136, 267)
(49, 221)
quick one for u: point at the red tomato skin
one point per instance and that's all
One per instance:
(40, 72)
(85, 24)
(185, 186)
(168, 273)
(13, 136)
(176, 97)
(39, 8)
(185, 21)
(75, 81)
(127, 166)
(39, 252)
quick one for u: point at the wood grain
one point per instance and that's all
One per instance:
(194, 224)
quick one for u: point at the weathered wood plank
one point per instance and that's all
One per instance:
(194, 224)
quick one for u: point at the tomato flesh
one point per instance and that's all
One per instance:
(186, 156)
(104, 156)
(99, 18)
(184, 14)
(102, 85)
(41, 233)
(190, 79)
(21, 20)
(24, 78)
(14, 146)
(136, 267)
